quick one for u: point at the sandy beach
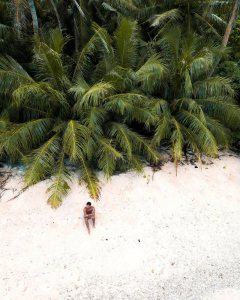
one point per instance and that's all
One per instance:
(157, 236)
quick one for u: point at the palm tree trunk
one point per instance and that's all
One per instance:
(227, 31)
(230, 24)
(34, 16)
(57, 14)
(76, 34)
(79, 8)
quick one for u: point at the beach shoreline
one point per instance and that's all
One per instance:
(157, 236)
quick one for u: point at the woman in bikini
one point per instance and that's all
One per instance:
(89, 213)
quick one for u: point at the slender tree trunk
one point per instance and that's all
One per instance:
(79, 8)
(57, 14)
(81, 25)
(230, 24)
(76, 34)
(227, 31)
(34, 16)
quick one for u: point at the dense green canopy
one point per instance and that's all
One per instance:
(101, 85)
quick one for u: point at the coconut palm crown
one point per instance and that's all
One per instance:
(111, 105)
(53, 116)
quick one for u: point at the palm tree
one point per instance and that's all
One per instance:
(198, 109)
(204, 17)
(59, 116)
(121, 94)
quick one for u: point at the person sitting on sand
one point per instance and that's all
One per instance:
(89, 213)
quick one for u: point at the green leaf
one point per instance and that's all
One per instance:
(151, 73)
(94, 96)
(107, 156)
(18, 139)
(89, 177)
(75, 140)
(60, 186)
(159, 19)
(126, 43)
(41, 161)
(12, 75)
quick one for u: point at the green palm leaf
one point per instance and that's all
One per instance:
(99, 38)
(145, 148)
(60, 186)
(122, 134)
(75, 140)
(94, 96)
(220, 133)
(151, 73)
(50, 66)
(126, 43)
(89, 177)
(177, 142)
(107, 156)
(18, 139)
(94, 119)
(212, 87)
(41, 161)
(227, 112)
(205, 137)
(173, 15)
(163, 130)
(41, 94)
(131, 106)
(12, 75)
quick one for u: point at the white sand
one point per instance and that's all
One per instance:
(157, 237)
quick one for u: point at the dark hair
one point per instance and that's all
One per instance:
(89, 203)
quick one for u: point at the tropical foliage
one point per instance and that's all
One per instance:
(103, 85)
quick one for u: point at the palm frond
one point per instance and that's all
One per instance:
(50, 66)
(56, 40)
(159, 107)
(122, 135)
(159, 19)
(187, 88)
(75, 139)
(163, 130)
(136, 163)
(207, 22)
(190, 105)
(99, 38)
(131, 106)
(177, 142)
(213, 86)
(201, 63)
(220, 133)
(125, 7)
(105, 39)
(151, 73)
(123, 79)
(221, 109)
(89, 177)
(170, 44)
(60, 186)
(126, 43)
(41, 161)
(42, 95)
(145, 148)
(19, 139)
(79, 88)
(107, 156)
(207, 142)
(12, 75)
(94, 96)
(94, 119)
